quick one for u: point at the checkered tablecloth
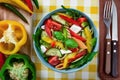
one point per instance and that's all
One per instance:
(89, 7)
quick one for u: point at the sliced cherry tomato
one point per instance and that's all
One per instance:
(50, 24)
(81, 19)
(48, 28)
(2, 60)
(56, 26)
(53, 60)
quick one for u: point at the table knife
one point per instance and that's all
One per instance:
(114, 40)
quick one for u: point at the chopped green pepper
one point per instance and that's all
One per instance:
(14, 10)
(65, 32)
(18, 67)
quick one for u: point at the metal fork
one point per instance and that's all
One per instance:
(107, 20)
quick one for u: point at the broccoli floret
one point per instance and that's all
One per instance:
(18, 71)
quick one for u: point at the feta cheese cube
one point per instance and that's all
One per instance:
(75, 28)
(43, 27)
(65, 51)
(43, 48)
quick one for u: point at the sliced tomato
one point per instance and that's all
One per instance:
(2, 60)
(50, 24)
(81, 19)
(56, 26)
(53, 60)
(48, 28)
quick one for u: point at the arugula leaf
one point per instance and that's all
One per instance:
(73, 13)
(36, 38)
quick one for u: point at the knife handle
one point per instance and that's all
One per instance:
(114, 58)
(108, 57)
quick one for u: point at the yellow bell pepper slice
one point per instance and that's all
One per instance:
(12, 36)
(47, 39)
(64, 14)
(69, 56)
(59, 45)
(50, 41)
(88, 35)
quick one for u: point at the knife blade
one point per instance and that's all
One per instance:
(114, 40)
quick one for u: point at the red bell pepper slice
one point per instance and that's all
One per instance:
(82, 53)
(77, 36)
(29, 3)
(74, 49)
(53, 60)
(2, 60)
(81, 19)
(53, 44)
(68, 19)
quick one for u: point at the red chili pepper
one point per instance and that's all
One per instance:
(68, 19)
(29, 3)
(2, 60)
(82, 53)
(77, 36)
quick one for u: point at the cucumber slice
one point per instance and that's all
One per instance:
(54, 52)
(44, 34)
(57, 18)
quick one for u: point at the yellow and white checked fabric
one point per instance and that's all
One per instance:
(90, 8)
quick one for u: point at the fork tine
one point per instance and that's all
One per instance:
(107, 9)
(104, 14)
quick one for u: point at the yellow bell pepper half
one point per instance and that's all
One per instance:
(12, 36)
